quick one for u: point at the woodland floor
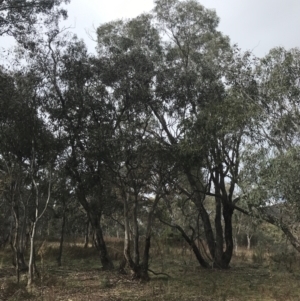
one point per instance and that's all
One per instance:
(254, 275)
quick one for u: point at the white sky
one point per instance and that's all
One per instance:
(256, 25)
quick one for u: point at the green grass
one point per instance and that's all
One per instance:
(80, 278)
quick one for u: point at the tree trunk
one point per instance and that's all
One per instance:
(94, 220)
(278, 223)
(273, 221)
(227, 216)
(293, 240)
(32, 268)
(235, 239)
(100, 244)
(31, 257)
(248, 241)
(136, 252)
(197, 199)
(86, 234)
(194, 247)
(62, 233)
(122, 265)
(127, 254)
(218, 259)
(18, 259)
(216, 243)
(236, 247)
(145, 263)
(138, 271)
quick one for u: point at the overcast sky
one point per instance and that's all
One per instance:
(256, 25)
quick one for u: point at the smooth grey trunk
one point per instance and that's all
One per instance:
(136, 252)
(38, 216)
(249, 241)
(15, 241)
(135, 268)
(237, 232)
(127, 234)
(235, 244)
(31, 257)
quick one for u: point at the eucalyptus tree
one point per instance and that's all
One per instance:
(79, 114)
(128, 51)
(11, 165)
(19, 18)
(140, 188)
(175, 67)
(27, 151)
(44, 150)
(146, 176)
(271, 177)
(13, 154)
(279, 91)
(204, 83)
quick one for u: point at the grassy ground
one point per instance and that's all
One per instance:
(254, 275)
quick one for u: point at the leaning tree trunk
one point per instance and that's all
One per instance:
(192, 244)
(194, 247)
(273, 220)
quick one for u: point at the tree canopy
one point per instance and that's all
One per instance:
(168, 122)
(19, 17)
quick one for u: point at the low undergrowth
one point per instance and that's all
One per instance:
(272, 277)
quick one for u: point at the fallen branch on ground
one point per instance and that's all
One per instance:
(156, 274)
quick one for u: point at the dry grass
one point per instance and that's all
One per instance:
(80, 278)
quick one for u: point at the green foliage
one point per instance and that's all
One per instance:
(18, 18)
(168, 120)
